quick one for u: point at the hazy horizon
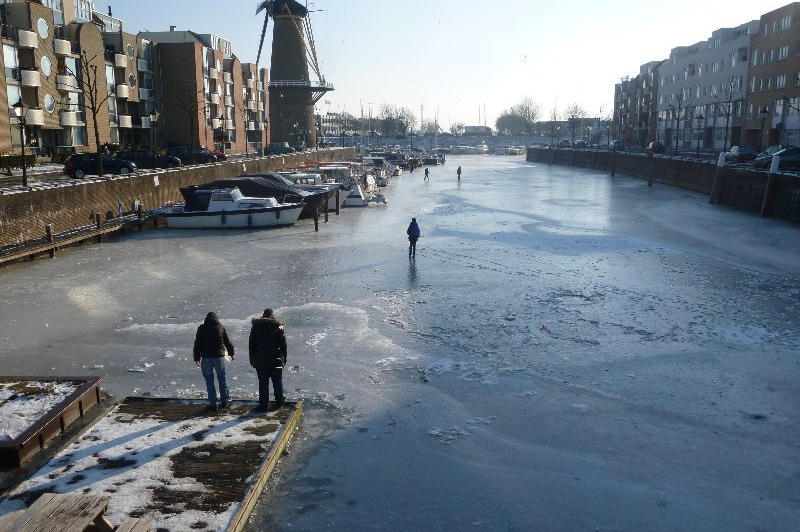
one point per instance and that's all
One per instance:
(458, 57)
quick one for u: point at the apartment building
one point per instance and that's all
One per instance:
(773, 99)
(625, 96)
(702, 90)
(83, 81)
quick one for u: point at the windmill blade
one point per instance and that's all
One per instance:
(265, 6)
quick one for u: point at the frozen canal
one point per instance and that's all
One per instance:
(568, 352)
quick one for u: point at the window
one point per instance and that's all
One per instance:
(733, 59)
(797, 79)
(110, 78)
(780, 81)
(760, 84)
(697, 91)
(778, 108)
(774, 26)
(713, 90)
(786, 22)
(14, 96)
(83, 10)
(763, 57)
(132, 80)
(49, 103)
(772, 55)
(753, 84)
(783, 52)
(768, 84)
(11, 62)
(715, 67)
(42, 28)
(749, 110)
(46, 66)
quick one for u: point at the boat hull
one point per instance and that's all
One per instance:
(257, 218)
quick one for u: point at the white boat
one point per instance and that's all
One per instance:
(314, 181)
(230, 209)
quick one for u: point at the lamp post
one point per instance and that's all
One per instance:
(153, 121)
(19, 112)
(700, 119)
(764, 115)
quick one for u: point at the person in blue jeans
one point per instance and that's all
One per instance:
(211, 346)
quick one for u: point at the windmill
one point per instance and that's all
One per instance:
(293, 94)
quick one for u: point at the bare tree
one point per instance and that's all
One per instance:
(679, 114)
(726, 107)
(95, 94)
(529, 112)
(189, 101)
(553, 120)
(457, 128)
(575, 113)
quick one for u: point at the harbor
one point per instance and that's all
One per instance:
(640, 348)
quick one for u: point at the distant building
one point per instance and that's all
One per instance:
(772, 110)
(478, 131)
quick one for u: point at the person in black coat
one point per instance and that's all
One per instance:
(268, 357)
(211, 345)
(413, 235)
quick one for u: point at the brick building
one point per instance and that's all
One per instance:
(52, 49)
(773, 99)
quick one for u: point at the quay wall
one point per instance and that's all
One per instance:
(69, 205)
(741, 188)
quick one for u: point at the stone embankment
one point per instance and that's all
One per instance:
(72, 204)
(737, 186)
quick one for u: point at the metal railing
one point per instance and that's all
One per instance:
(301, 83)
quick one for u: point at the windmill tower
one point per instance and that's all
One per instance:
(292, 92)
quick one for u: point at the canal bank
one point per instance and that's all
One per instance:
(739, 187)
(24, 215)
(568, 351)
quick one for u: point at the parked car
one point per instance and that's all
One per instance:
(279, 148)
(790, 160)
(80, 165)
(655, 147)
(772, 150)
(144, 159)
(580, 143)
(617, 145)
(192, 155)
(740, 154)
(565, 143)
(220, 155)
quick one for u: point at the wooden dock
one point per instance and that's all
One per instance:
(170, 461)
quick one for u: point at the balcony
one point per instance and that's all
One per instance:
(146, 122)
(30, 78)
(143, 65)
(227, 77)
(251, 105)
(214, 98)
(120, 60)
(62, 47)
(229, 101)
(27, 39)
(261, 85)
(251, 126)
(34, 117)
(213, 73)
(250, 83)
(123, 91)
(67, 83)
(216, 123)
(145, 94)
(125, 121)
(260, 106)
(69, 118)
(229, 124)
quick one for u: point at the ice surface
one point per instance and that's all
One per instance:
(636, 346)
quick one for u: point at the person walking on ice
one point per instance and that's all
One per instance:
(427, 175)
(211, 348)
(413, 234)
(458, 173)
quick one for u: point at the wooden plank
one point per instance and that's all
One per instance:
(46, 514)
(61, 519)
(144, 525)
(82, 514)
(32, 510)
(127, 525)
(256, 487)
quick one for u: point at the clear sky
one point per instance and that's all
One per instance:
(457, 55)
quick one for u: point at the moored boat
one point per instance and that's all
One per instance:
(228, 208)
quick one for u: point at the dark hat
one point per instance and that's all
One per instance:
(268, 313)
(413, 219)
